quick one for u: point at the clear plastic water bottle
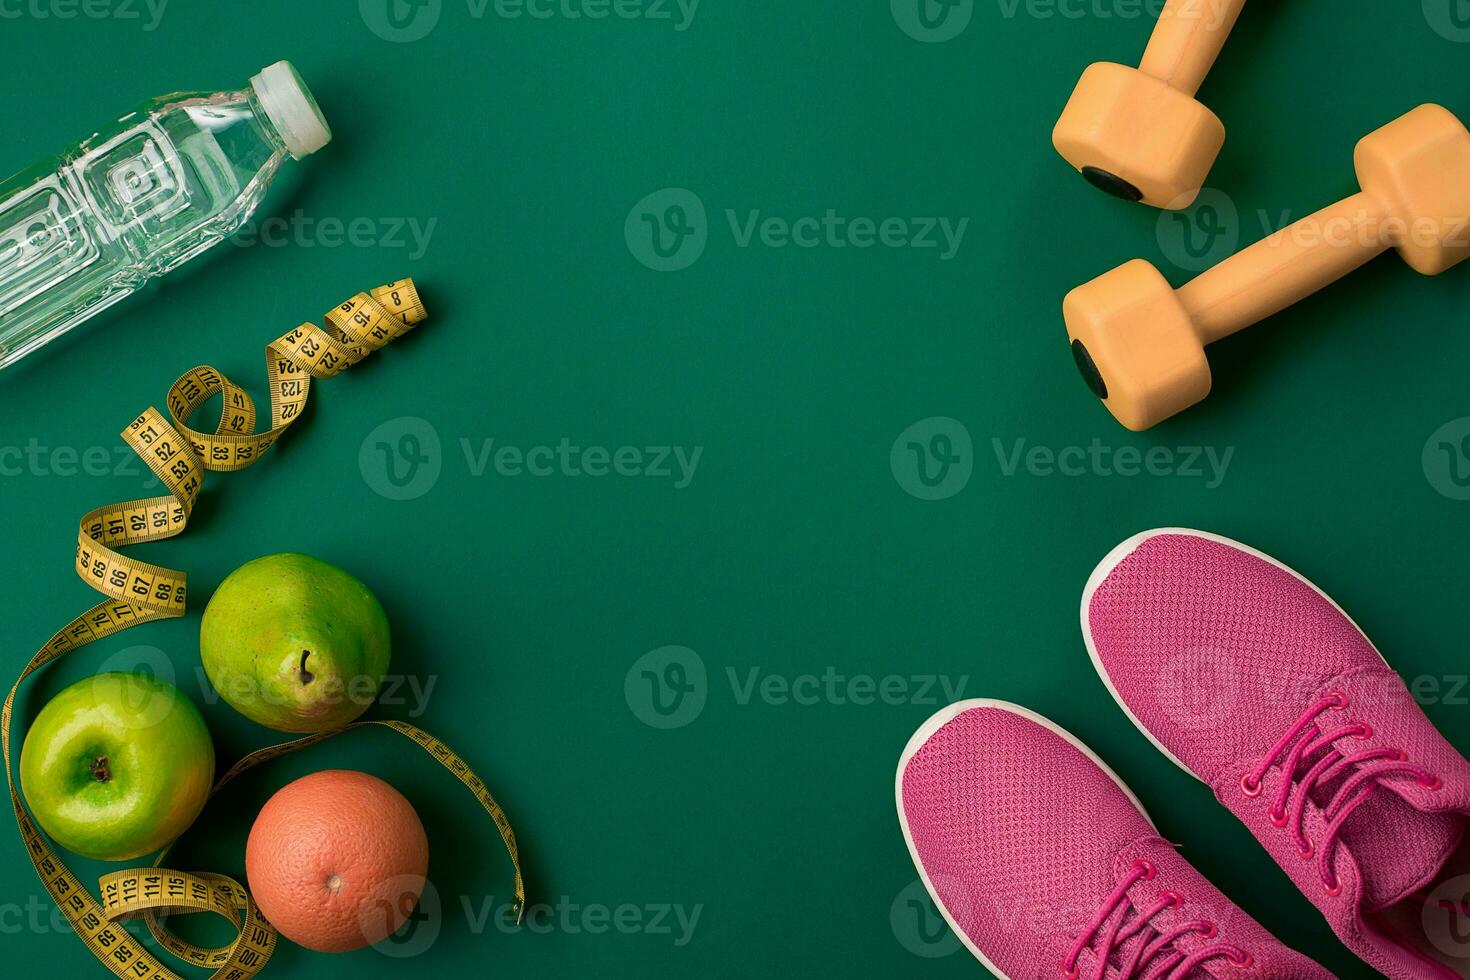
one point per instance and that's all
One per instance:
(84, 229)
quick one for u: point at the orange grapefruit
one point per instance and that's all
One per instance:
(337, 860)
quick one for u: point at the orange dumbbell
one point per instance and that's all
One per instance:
(1139, 133)
(1140, 344)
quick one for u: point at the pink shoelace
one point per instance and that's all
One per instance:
(1155, 956)
(1307, 739)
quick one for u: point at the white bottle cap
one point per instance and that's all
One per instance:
(292, 110)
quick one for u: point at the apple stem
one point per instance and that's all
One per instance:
(306, 676)
(100, 772)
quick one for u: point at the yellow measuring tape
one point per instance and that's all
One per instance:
(138, 592)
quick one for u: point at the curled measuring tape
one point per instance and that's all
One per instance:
(138, 592)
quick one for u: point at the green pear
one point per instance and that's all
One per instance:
(294, 643)
(117, 765)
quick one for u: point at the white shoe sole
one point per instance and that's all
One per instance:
(927, 731)
(1116, 557)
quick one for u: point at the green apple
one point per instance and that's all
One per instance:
(117, 766)
(294, 643)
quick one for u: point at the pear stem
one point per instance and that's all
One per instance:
(306, 676)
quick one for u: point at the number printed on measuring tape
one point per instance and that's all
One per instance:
(138, 592)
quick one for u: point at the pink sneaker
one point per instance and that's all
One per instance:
(1046, 866)
(1253, 681)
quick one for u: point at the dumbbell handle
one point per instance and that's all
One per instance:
(1286, 267)
(1187, 40)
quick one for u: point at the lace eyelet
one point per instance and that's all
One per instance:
(1244, 962)
(1205, 929)
(1278, 819)
(1174, 899)
(1339, 700)
(1364, 732)
(1332, 888)
(1148, 869)
(1306, 850)
(1434, 785)
(1249, 787)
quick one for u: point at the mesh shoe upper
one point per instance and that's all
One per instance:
(1218, 654)
(1022, 838)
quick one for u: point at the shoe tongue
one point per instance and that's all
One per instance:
(1399, 849)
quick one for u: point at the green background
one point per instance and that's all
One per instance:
(795, 549)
